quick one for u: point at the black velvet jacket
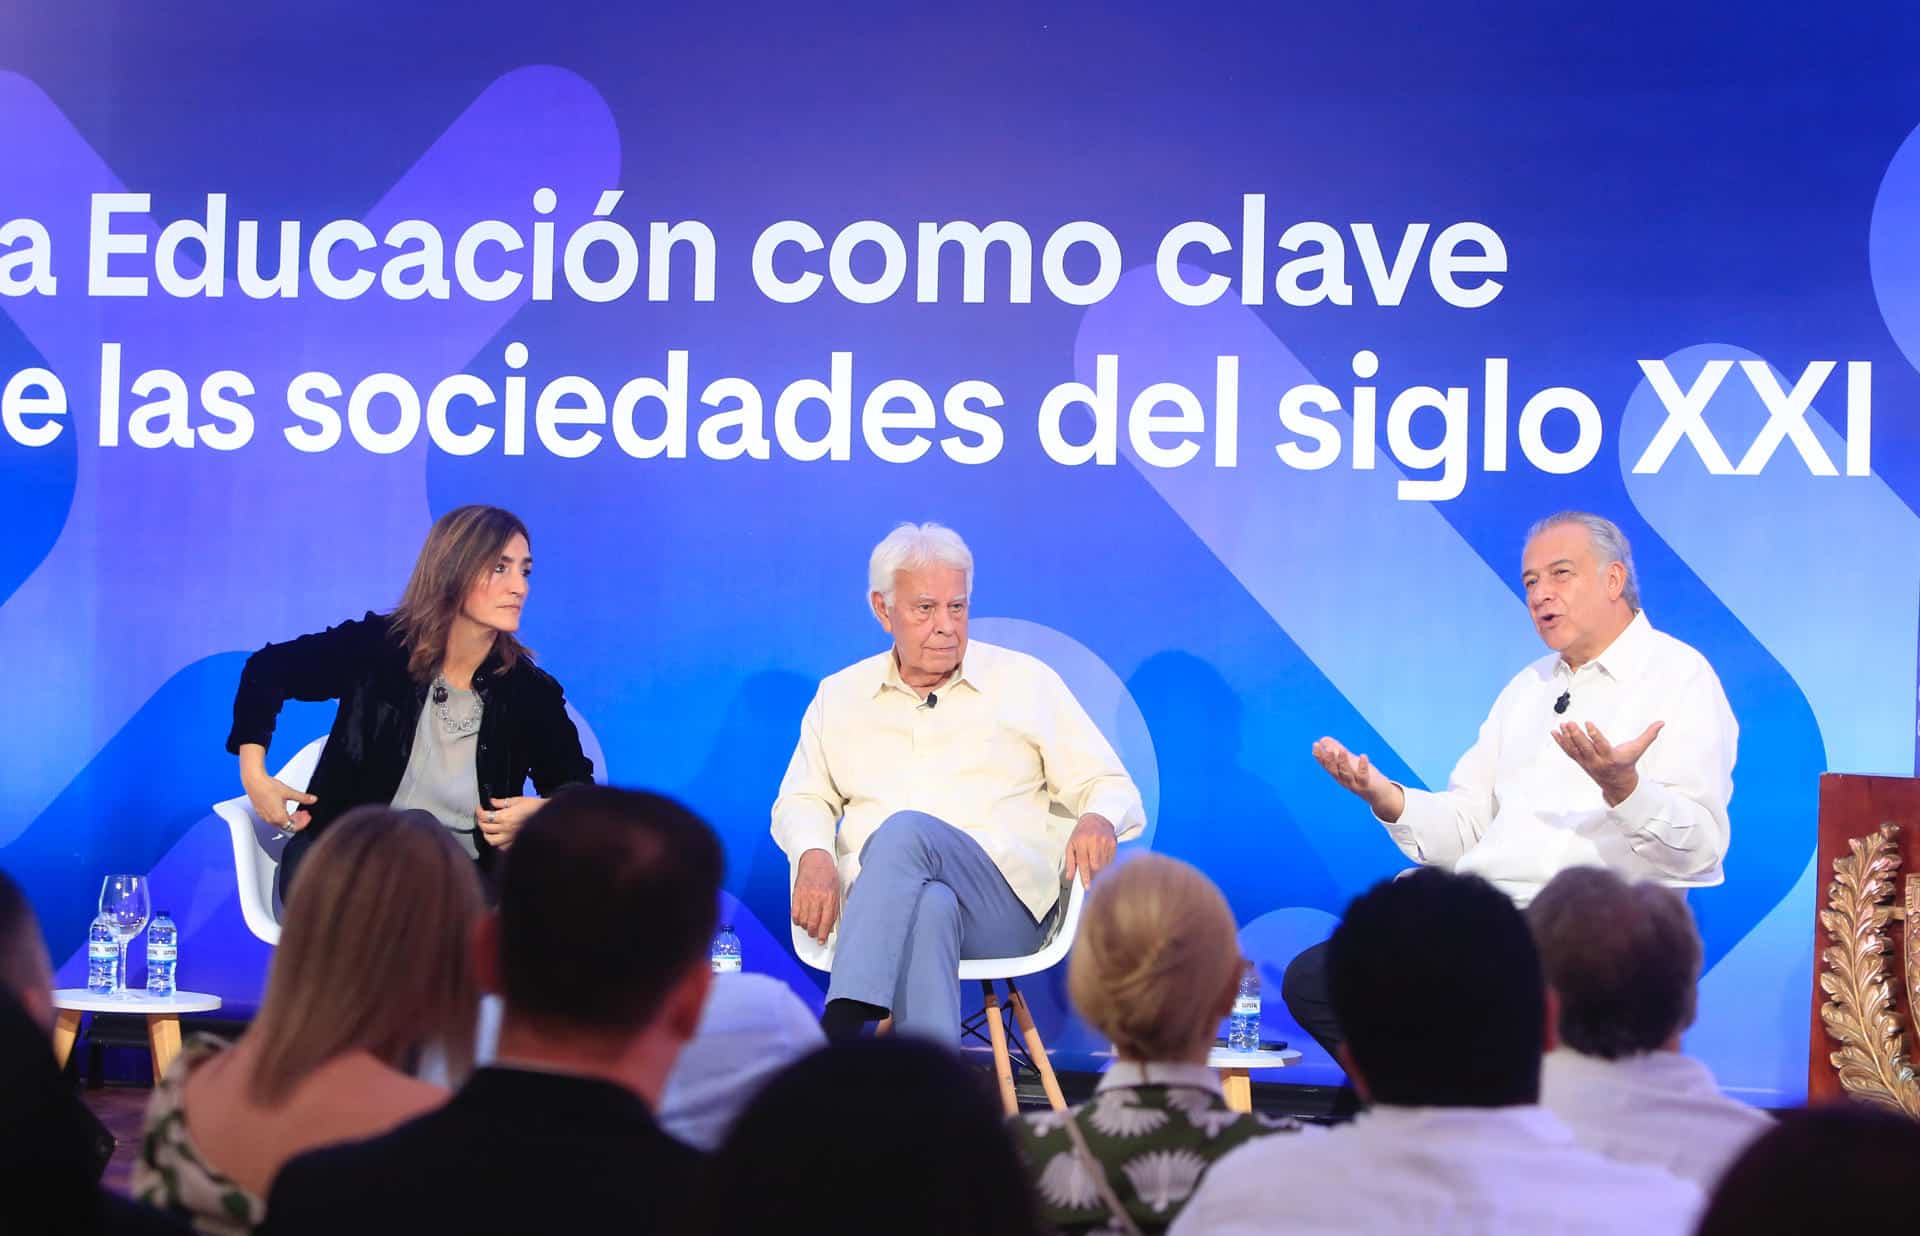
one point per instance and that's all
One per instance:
(524, 727)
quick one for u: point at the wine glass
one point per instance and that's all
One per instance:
(124, 900)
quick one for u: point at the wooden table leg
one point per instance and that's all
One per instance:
(66, 1029)
(1237, 1086)
(163, 1036)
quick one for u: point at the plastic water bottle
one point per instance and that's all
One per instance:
(103, 957)
(1243, 1031)
(726, 951)
(163, 952)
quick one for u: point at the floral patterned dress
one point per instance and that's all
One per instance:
(170, 1173)
(1155, 1128)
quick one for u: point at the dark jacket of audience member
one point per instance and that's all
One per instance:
(890, 1135)
(599, 948)
(1845, 1168)
(49, 1160)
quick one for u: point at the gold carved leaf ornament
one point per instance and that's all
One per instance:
(1860, 1014)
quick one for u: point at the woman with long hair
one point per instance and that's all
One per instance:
(374, 967)
(441, 706)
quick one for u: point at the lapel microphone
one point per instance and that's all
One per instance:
(1560, 705)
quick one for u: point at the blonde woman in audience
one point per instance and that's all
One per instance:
(1155, 969)
(373, 967)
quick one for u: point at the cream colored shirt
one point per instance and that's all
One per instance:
(1518, 810)
(1006, 754)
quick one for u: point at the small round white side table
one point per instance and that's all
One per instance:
(162, 1014)
(1235, 1067)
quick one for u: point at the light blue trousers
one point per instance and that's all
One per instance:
(927, 896)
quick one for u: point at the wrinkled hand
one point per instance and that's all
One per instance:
(1361, 778)
(1090, 848)
(1612, 768)
(500, 818)
(270, 796)
(816, 894)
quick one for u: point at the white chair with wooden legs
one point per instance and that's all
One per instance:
(257, 845)
(990, 970)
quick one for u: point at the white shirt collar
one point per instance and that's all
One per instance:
(1670, 1071)
(1625, 658)
(1138, 1073)
(974, 672)
(1529, 1121)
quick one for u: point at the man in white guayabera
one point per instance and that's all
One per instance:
(1614, 750)
(939, 792)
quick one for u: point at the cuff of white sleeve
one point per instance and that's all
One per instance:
(1120, 810)
(1402, 830)
(1635, 812)
(799, 838)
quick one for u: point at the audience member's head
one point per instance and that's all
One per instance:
(1623, 959)
(375, 952)
(607, 911)
(869, 1136)
(1157, 960)
(1831, 1169)
(1436, 984)
(26, 973)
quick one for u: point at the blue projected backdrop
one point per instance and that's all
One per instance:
(1241, 345)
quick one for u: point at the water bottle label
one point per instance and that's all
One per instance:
(1245, 1006)
(162, 952)
(726, 965)
(102, 950)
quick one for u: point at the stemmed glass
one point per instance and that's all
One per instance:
(124, 900)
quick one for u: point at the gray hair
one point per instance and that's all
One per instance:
(916, 545)
(1624, 959)
(1609, 545)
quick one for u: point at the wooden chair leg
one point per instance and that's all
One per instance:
(1002, 1062)
(66, 1030)
(1035, 1048)
(163, 1037)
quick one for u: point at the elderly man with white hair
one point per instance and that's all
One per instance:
(939, 791)
(1567, 771)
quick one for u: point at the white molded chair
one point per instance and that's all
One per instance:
(257, 845)
(986, 971)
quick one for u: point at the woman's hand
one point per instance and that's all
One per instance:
(270, 795)
(500, 818)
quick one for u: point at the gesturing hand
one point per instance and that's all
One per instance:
(500, 818)
(816, 894)
(270, 796)
(1090, 848)
(1362, 778)
(1612, 768)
